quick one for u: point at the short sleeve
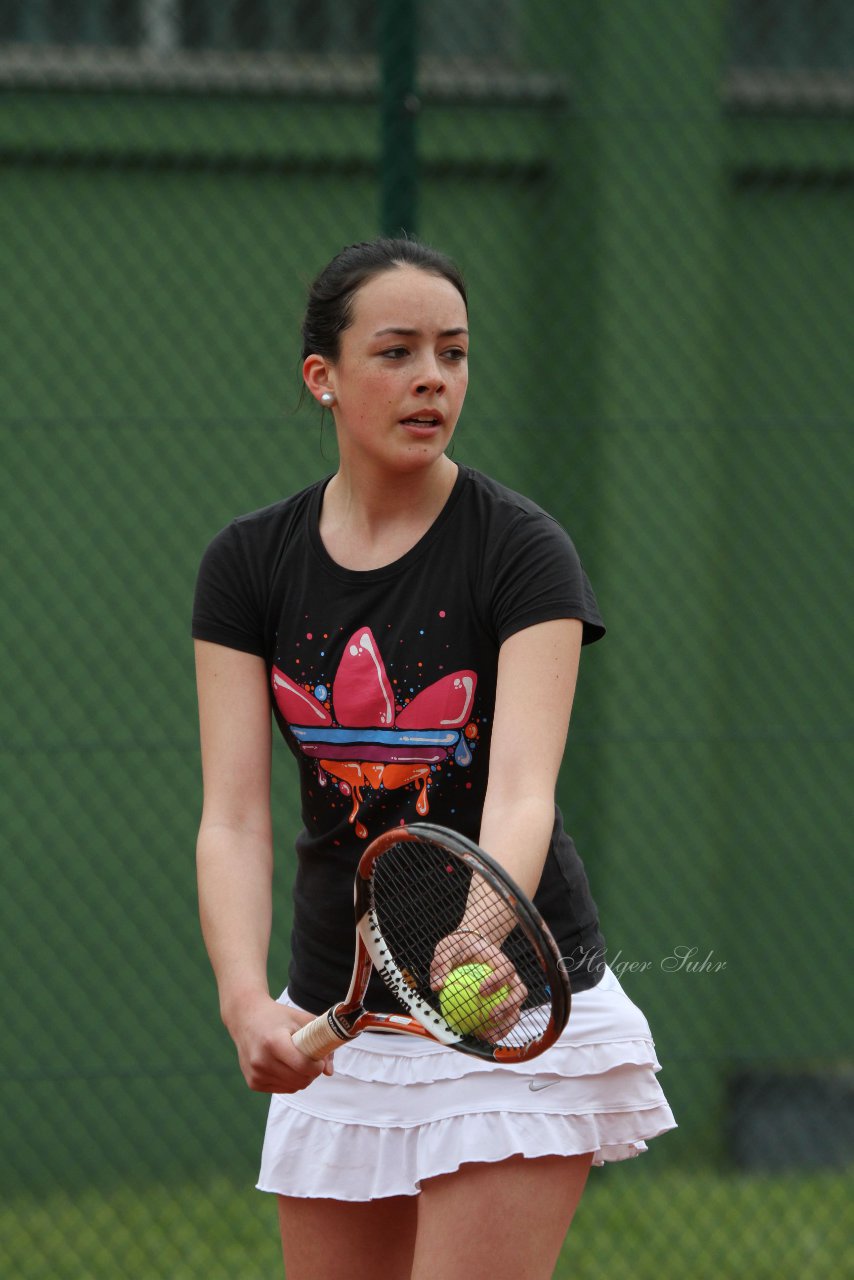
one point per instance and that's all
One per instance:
(537, 577)
(226, 608)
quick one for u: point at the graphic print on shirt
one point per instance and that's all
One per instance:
(360, 735)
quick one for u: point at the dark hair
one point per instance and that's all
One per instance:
(329, 310)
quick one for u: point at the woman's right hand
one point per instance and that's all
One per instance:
(270, 1061)
(235, 867)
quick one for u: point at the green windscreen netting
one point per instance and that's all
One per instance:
(654, 208)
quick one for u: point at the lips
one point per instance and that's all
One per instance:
(424, 418)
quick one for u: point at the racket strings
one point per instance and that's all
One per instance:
(421, 893)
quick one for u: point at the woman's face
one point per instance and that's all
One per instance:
(401, 376)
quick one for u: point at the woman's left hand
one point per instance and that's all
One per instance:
(465, 947)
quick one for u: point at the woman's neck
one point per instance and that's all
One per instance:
(369, 522)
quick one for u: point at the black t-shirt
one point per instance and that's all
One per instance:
(383, 685)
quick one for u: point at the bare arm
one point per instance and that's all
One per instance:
(235, 866)
(537, 673)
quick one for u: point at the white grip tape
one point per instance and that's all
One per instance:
(317, 1038)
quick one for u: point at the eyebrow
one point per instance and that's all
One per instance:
(416, 333)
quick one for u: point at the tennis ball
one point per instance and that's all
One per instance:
(462, 1005)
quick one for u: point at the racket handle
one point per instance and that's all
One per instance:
(317, 1038)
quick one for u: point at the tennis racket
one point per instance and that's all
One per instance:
(423, 893)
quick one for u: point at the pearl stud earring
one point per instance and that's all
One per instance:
(327, 399)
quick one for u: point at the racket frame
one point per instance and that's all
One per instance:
(345, 1020)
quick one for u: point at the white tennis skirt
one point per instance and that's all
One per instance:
(400, 1109)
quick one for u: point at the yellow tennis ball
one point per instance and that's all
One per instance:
(462, 1005)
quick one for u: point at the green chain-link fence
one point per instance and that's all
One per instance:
(654, 206)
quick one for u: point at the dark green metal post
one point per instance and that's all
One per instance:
(399, 106)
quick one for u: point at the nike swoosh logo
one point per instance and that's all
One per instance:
(536, 1085)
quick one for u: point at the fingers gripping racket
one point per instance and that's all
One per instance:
(422, 887)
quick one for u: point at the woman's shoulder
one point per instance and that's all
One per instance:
(529, 561)
(265, 528)
(238, 568)
(275, 514)
(506, 505)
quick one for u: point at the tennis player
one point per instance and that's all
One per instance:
(415, 629)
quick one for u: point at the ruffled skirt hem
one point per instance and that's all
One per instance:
(364, 1162)
(399, 1109)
